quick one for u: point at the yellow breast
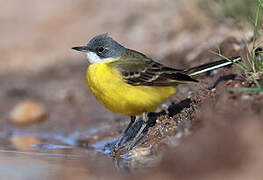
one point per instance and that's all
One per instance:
(107, 85)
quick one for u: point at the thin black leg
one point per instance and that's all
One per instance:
(117, 145)
(138, 135)
(130, 124)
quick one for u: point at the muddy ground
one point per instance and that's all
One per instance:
(202, 132)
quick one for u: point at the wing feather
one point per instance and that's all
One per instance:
(137, 70)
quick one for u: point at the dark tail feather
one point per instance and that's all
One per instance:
(211, 66)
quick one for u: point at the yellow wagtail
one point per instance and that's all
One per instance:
(128, 82)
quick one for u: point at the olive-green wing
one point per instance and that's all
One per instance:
(137, 69)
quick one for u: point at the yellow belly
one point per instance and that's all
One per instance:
(107, 85)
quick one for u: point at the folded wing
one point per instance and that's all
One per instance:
(137, 70)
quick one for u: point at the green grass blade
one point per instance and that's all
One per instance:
(247, 90)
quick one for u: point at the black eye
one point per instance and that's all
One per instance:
(100, 49)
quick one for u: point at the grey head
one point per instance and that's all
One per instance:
(101, 48)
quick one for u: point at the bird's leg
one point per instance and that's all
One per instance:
(138, 135)
(116, 146)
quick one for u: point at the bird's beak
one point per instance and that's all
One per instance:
(81, 48)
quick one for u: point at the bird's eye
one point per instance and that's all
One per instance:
(100, 49)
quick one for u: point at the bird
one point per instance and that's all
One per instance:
(128, 82)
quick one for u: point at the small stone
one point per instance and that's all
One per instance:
(24, 143)
(27, 112)
(140, 152)
(213, 90)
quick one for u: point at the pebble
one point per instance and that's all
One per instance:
(140, 152)
(27, 112)
(213, 90)
(24, 143)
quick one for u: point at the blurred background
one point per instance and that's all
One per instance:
(37, 34)
(46, 108)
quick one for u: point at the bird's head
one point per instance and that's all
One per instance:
(101, 48)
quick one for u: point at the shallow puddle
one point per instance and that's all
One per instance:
(50, 164)
(48, 153)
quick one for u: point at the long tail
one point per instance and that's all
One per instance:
(211, 66)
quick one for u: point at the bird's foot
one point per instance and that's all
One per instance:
(117, 146)
(137, 138)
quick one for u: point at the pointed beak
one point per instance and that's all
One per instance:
(81, 48)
